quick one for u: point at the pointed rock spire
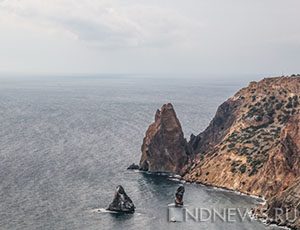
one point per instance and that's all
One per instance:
(121, 202)
(164, 147)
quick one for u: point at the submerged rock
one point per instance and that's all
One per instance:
(133, 166)
(179, 195)
(121, 202)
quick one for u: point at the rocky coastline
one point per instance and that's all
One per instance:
(250, 146)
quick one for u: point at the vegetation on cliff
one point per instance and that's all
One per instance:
(251, 145)
(234, 151)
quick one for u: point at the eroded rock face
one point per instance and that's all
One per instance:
(179, 195)
(164, 147)
(121, 202)
(217, 129)
(253, 143)
(283, 165)
(283, 208)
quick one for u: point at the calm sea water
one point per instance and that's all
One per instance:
(65, 144)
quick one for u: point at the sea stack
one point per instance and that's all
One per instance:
(121, 202)
(179, 196)
(164, 147)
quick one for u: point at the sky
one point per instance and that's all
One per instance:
(150, 36)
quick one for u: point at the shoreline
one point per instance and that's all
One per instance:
(262, 219)
(252, 214)
(180, 178)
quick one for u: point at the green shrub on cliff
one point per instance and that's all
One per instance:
(289, 105)
(278, 106)
(253, 171)
(256, 143)
(259, 118)
(235, 163)
(242, 168)
(295, 97)
(231, 145)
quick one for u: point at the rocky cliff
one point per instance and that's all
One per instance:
(164, 147)
(251, 145)
(286, 204)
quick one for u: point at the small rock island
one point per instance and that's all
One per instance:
(179, 196)
(121, 202)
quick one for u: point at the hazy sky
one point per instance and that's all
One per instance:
(150, 36)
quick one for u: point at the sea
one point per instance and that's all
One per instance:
(66, 143)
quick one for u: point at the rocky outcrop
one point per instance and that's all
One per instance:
(217, 129)
(164, 147)
(121, 202)
(133, 166)
(252, 144)
(179, 195)
(283, 165)
(283, 208)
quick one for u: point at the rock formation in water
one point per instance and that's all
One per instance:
(179, 195)
(121, 202)
(164, 147)
(133, 166)
(251, 145)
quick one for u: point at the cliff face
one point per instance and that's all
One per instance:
(283, 208)
(283, 164)
(218, 127)
(282, 174)
(250, 145)
(164, 147)
(289, 202)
